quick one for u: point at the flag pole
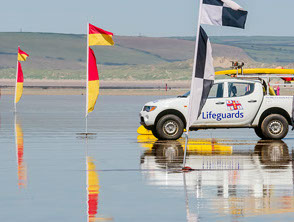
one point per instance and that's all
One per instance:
(87, 78)
(15, 90)
(193, 73)
(185, 152)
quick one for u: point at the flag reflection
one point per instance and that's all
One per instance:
(21, 166)
(92, 189)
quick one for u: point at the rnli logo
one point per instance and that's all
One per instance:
(234, 105)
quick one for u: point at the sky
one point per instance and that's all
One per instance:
(136, 17)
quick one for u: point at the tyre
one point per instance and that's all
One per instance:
(259, 133)
(274, 126)
(154, 132)
(169, 127)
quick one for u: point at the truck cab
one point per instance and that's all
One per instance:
(232, 103)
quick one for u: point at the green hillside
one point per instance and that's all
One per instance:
(62, 56)
(69, 48)
(265, 49)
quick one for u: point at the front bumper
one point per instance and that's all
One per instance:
(142, 122)
(147, 119)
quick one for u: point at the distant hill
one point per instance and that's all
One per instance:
(264, 49)
(62, 56)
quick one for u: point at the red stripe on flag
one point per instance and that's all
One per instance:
(92, 66)
(95, 30)
(93, 204)
(22, 52)
(19, 73)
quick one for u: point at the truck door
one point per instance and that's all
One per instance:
(242, 103)
(214, 106)
(230, 105)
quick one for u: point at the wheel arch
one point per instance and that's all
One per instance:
(171, 111)
(275, 110)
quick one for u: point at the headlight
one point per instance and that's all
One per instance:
(149, 108)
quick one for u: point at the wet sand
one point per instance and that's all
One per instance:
(114, 92)
(103, 83)
(50, 172)
(77, 87)
(113, 87)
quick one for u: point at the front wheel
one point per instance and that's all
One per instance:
(169, 127)
(275, 127)
(259, 133)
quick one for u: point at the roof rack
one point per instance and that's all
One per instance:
(264, 74)
(239, 71)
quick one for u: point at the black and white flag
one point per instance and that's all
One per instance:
(223, 13)
(203, 77)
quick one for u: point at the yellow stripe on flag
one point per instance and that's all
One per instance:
(19, 89)
(100, 39)
(93, 92)
(22, 57)
(19, 135)
(93, 179)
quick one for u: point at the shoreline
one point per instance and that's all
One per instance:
(112, 92)
(113, 87)
(42, 83)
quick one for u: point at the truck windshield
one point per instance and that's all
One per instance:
(185, 95)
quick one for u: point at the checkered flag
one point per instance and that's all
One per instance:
(223, 13)
(203, 78)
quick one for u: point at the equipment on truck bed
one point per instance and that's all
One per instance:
(262, 74)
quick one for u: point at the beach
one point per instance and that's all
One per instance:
(114, 87)
(49, 171)
(109, 87)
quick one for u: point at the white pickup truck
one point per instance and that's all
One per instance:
(232, 103)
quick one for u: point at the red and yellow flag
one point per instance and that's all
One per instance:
(92, 189)
(19, 83)
(99, 36)
(22, 56)
(93, 81)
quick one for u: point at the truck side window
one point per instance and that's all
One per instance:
(240, 89)
(217, 91)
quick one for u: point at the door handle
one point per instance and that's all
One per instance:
(252, 101)
(219, 103)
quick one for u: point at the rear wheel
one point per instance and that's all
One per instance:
(169, 127)
(274, 126)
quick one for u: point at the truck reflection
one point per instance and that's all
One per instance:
(239, 182)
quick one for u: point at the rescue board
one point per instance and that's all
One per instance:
(143, 131)
(256, 71)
